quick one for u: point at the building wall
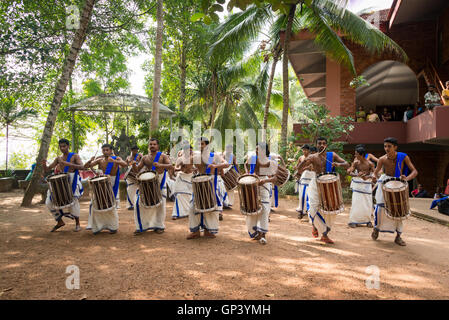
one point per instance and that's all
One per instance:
(418, 40)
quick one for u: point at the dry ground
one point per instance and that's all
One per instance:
(293, 265)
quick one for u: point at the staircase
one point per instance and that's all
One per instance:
(430, 75)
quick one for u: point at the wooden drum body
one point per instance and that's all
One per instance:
(102, 194)
(130, 176)
(249, 194)
(396, 198)
(282, 175)
(149, 189)
(330, 194)
(61, 190)
(204, 193)
(230, 178)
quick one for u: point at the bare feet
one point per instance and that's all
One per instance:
(207, 234)
(375, 234)
(220, 216)
(369, 225)
(77, 228)
(326, 239)
(399, 241)
(193, 235)
(58, 225)
(352, 225)
(314, 232)
(258, 236)
(159, 231)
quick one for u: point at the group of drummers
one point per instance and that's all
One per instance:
(203, 183)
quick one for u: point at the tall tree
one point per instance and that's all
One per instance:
(157, 66)
(285, 85)
(60, 89)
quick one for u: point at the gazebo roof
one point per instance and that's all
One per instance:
(117, 102)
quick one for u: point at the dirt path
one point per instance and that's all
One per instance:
(292, 265)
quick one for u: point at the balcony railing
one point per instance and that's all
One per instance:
(428, 127)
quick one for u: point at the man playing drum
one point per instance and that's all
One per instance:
(260, 165)
(304, 176)
(207, 163)
(182, 188)
(394, 164)
(361, 186)
(321, 162)
(232, 160)
(131, 183)
(68, 162)
(152, 218)
(109, 165)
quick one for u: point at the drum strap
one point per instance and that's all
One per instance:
(329, 158)
(230, 162)
(117, 176)
(156, 159)
(209, 162)
(397, 171)
(252, 166)
(69, 157)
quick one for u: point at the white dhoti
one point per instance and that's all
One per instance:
(302, 185)
(150, 218)
(222, 193)
(182, 190)
(99, 220)
(322, 222)
(208, 220)
(381, 221)
(230, 197)
(103, 219)
(170, 183)
(362, 201)
(259, 222)
(131, 188)
(73, 211)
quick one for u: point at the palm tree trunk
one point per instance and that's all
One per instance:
(214, 100)
(7, 135)
(61, 87)
(182, 97)
(267, 101)
(286, 96)
(157, 67)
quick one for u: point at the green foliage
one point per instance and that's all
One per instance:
(20, 160)
(288, 189)
(8, 173)
(358, 82)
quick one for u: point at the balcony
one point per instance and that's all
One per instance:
(429, 127)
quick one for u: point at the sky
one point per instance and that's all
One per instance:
(137, 80)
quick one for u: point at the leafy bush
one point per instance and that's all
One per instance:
(288, 189)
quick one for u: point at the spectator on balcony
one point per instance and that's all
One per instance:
(432, 98)
(360, 115)
(445, 94)
(386, 116)
(419, 108)
(372, 117)
(420, 192)
(439, 193)
(408, 114)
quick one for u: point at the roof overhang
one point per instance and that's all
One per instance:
(404, 11)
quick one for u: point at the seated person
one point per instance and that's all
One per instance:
(439, 193)
(372, 117)
(360, 115)
(420, 192)
(432, 98)
(386, 116)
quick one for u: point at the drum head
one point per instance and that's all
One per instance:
(99, 178)
(395, 185)
(57, 176)
(248, 180)
(327, 177)
(147, 175)
(202, 178)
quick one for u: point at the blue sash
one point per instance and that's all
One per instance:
(135, 157)
(329, 158)
(209, 162)
(156, 159)
(117, 176)
(66, 168)
(366, 155)
(252, 164)
(230, 162)
(435, 202)
(397, 171)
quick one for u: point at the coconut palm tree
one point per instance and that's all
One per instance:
(11, 113)
(325, 18)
